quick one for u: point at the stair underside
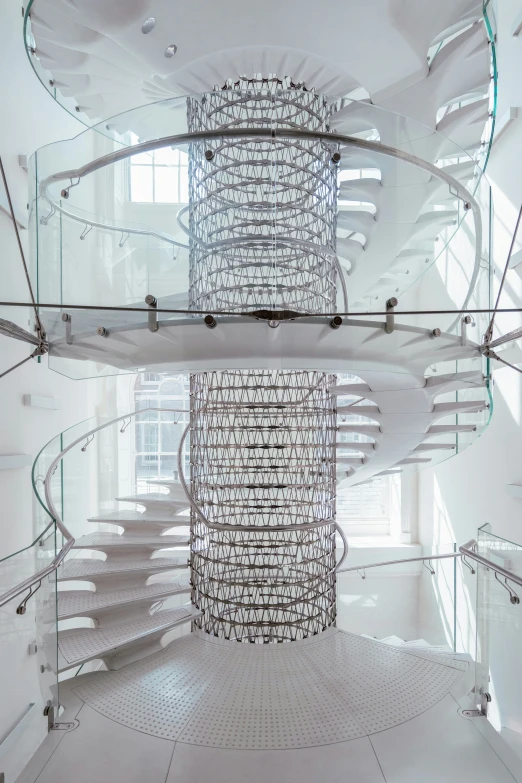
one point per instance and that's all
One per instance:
(78, 603)
(79, 645)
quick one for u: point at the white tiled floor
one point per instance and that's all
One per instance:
(102, 751)
(345, 762)
(294, 736)
(439, 746)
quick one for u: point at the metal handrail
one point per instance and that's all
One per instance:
(396, 562)
(69, 538)
(466, 550)
(273, 134)
(253, 528)
(469, 549)
(53, 512)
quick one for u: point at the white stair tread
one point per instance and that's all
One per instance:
(110, 540)
(75, 603)
(79, 645)
(125, 516)
(154, 497)
(422, 648)
(395, 641)
(140, 519)
(173, 485)
(167, 482)
(80, 569)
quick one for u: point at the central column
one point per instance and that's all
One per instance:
(263, 220)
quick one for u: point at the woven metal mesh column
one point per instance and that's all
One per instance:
(264, 210)
(263, 470)
(263, 223)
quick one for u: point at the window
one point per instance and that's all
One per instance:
(364, 509)
(159, 177)
(157, 433)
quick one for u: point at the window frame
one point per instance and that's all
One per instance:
(153, 165)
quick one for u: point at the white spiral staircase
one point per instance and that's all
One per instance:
(125, 605)
(199, 707)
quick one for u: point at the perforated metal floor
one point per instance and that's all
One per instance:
(78, 645)
(83, 569)
(76, 603)
(324, 690)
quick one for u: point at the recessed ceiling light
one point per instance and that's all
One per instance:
(171, 50)
(148, 25)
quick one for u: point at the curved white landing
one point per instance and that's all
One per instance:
(333, 688)
(187, 345)
(333, 708)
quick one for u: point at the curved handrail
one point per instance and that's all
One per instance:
(226, 243)
(466, 550)
(401, 560)
(118, 229)
(36, 478)
(47, 483)
(249, 528)
(53, 511)
(455, 186)
(69, 538)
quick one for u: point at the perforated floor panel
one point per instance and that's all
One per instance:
(76, 603)
(328, 689)
(78, 569)
(78, 645)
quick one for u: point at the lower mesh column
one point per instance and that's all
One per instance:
(263, 473)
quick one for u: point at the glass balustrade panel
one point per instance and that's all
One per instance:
(499, 625)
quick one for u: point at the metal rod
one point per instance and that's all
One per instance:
(272, 134)
(489, 331)
(493, 355)
(391, 304)
(22, 254)
(124, 229)
(374, 313)
(31, 356)
(16, 723)
(402, 560)
(516, 334)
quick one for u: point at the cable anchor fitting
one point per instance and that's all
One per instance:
(152, 302)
